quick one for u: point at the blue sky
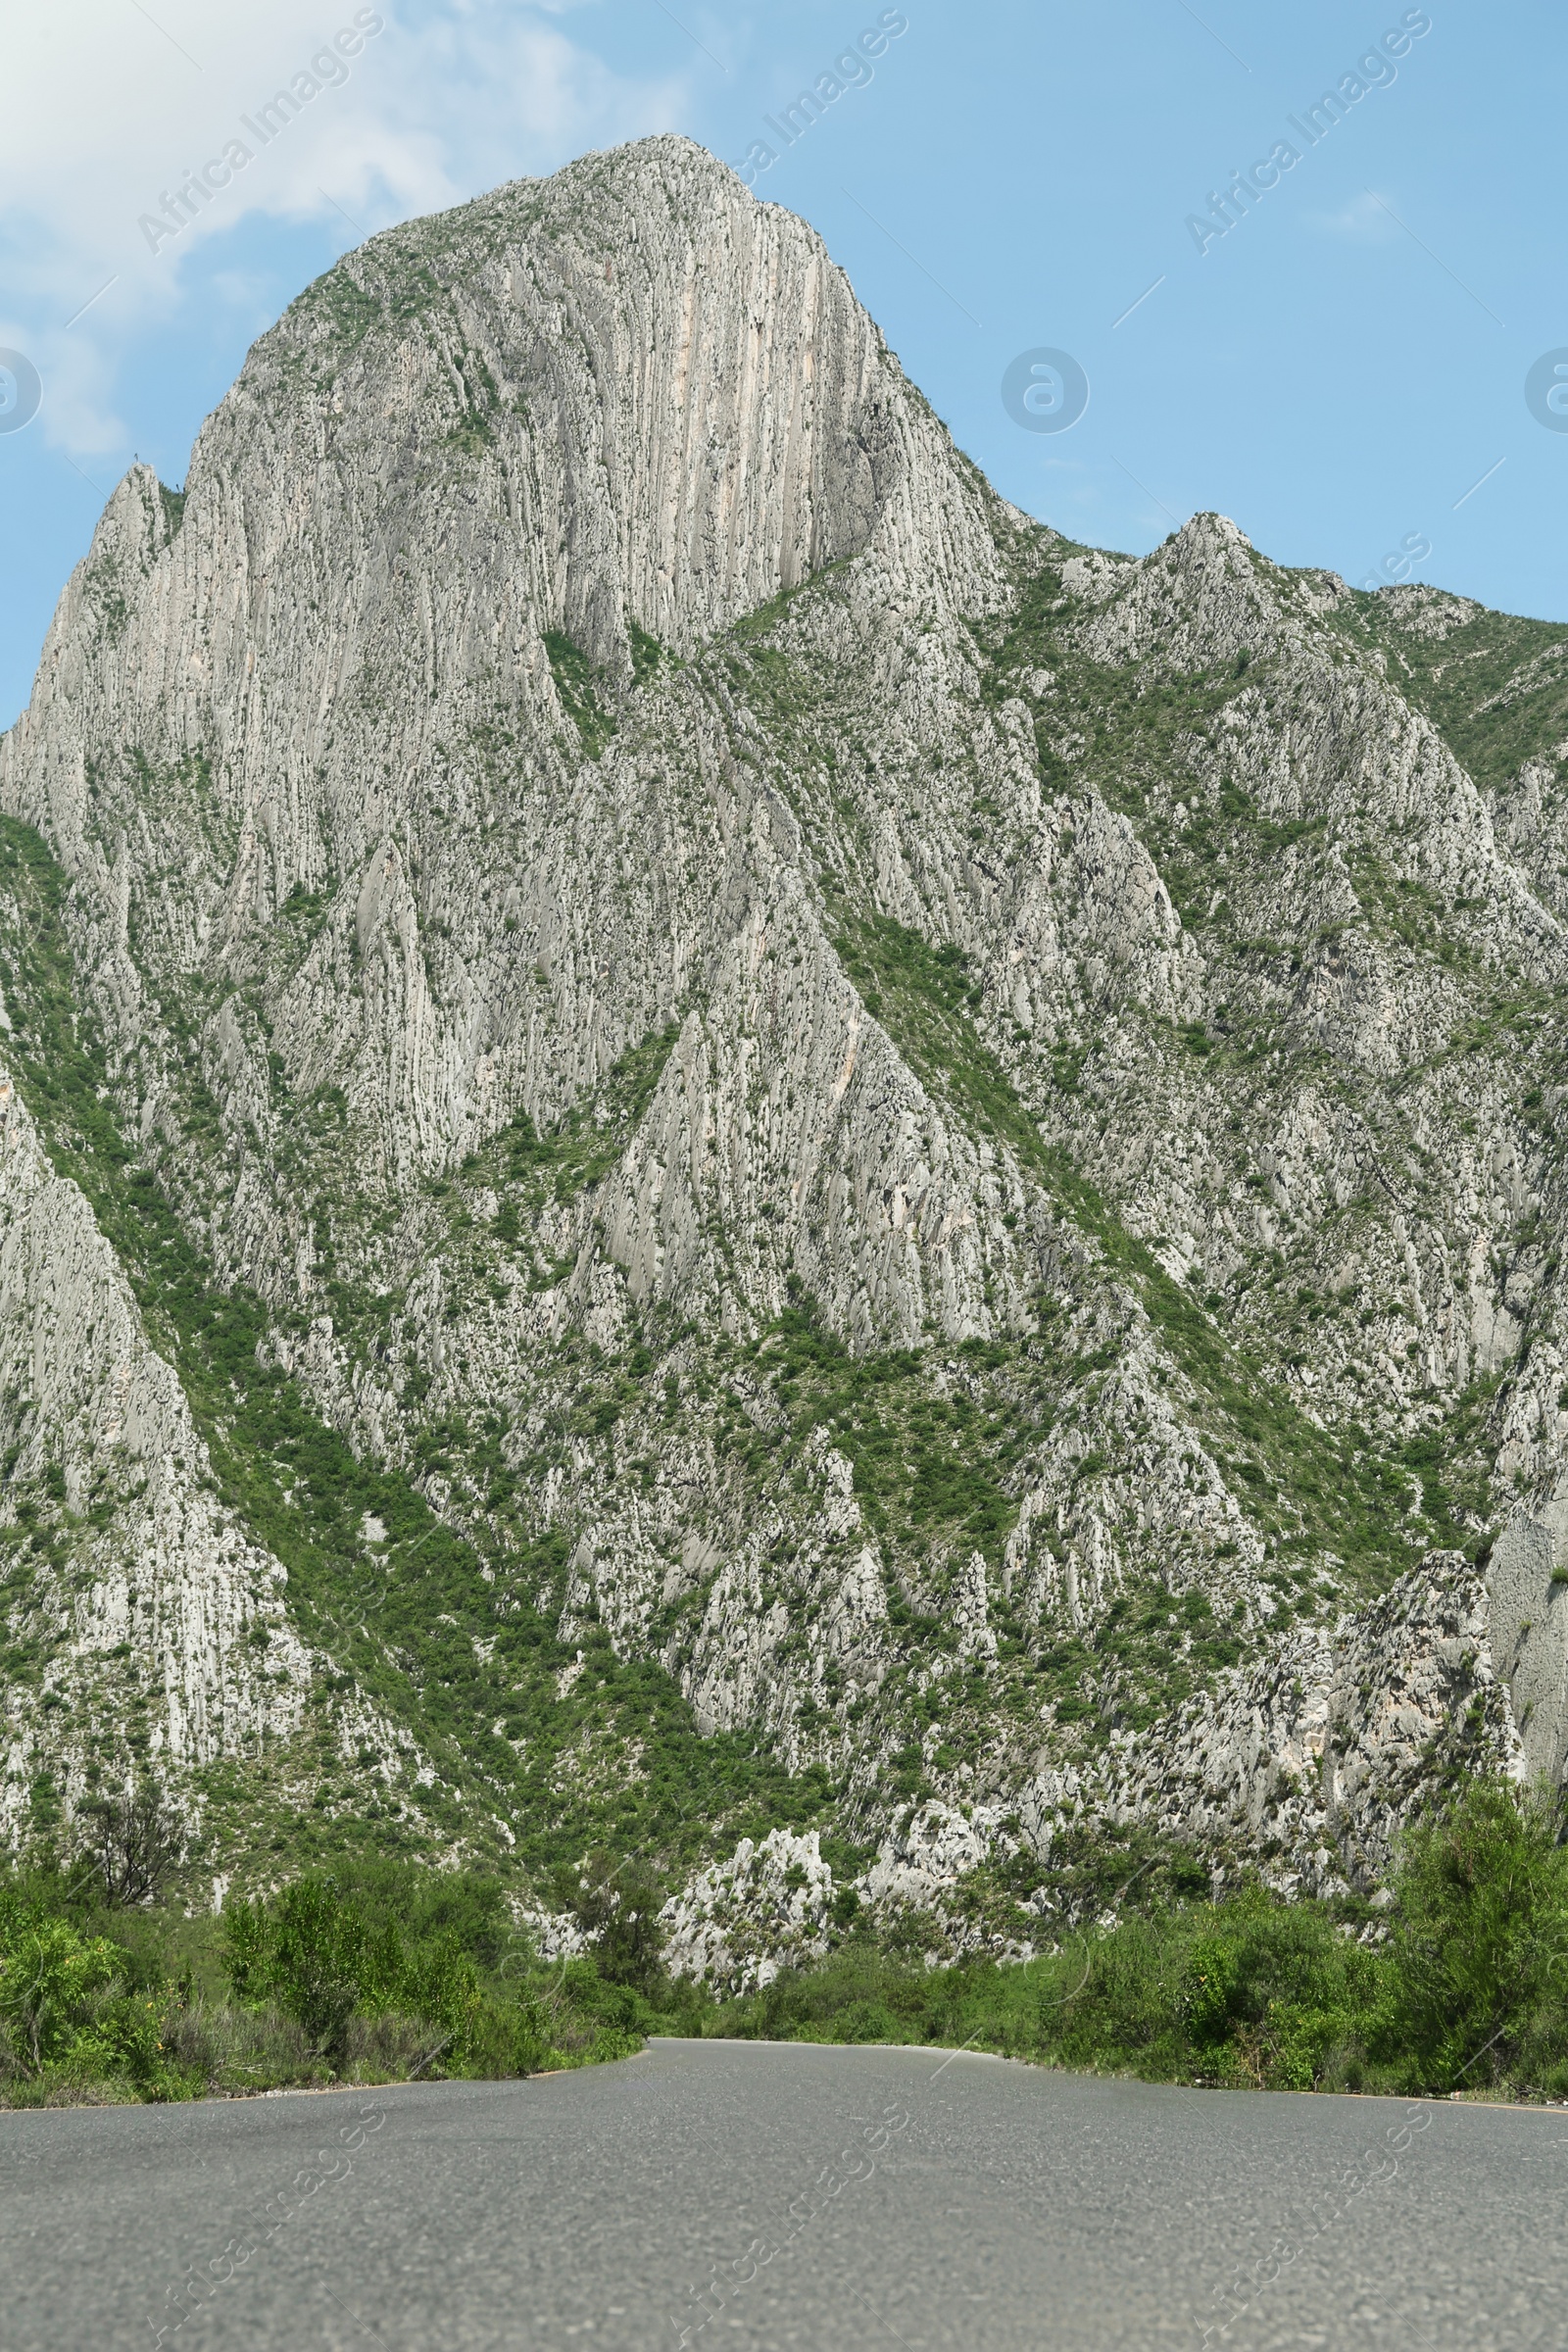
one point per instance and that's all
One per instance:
(1337, 371)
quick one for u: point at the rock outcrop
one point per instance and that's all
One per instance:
(144, 1626)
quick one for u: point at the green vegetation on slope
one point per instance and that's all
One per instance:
(578, 686)
(581, 1151)
(368, 1971)
(441, 1632)
(1496, 686)
(1457, 1988)
(1311, 1489)
(1115, 730)
(928, 1466)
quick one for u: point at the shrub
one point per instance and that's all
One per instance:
(1479, 1943)
(438, 1984)
(375, 1970)
(49, 1977)
(394, 1947)
(311, 1952)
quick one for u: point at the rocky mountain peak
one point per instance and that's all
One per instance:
(815, 1172)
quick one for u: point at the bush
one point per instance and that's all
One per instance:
(309, 1951)
(1253, 1991)
(395, 1947)
(49, 1977)
(376, 1971)
(313, 1951)
(1479, 1942)
(1250, 1991)
(1464, 1988)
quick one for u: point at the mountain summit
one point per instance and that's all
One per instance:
(714, 1153)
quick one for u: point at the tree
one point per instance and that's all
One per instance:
(622, 1909)
(139, 1841)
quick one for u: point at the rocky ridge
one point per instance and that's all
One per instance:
(811, 1166)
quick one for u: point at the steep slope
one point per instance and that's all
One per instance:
(824, 1153)
(144, 1628)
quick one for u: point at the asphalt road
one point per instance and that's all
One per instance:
(748, 2195)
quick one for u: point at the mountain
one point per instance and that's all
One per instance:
(715, 1154)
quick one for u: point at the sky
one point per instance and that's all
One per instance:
(1355, 359)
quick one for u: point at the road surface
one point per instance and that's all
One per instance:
(735, 2194)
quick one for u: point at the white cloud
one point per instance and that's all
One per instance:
(109, 105)
(1363, 217)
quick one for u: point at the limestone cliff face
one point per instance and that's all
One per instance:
(937, 1138)
(616, 403)
(144, 1625)
(1313, 1758)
